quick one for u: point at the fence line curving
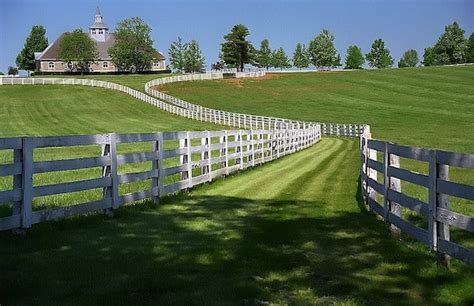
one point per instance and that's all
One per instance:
(265, 139)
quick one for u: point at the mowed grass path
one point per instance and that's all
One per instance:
(432, 107)
(286, 233)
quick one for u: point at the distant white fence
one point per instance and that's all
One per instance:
(219, 153)
(387, 197)
(240, 120)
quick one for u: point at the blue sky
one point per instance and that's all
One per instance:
(402, 24)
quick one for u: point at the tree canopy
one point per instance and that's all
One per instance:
(35, 42)
(193, 58)
(133, 49)
(300, 56)
(379, 56)
(470, 49)
(78, 50)
(322, 52)
(409, 59)
(451, 48)
(280, 59)
(236, 50)
(176, 55)
(264, 55)
(354, 58)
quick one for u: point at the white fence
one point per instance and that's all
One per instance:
(269, 138)
(218, 153)
(385, 198)
(240, 120)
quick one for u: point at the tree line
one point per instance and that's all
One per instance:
(237, 51)
(133, 51)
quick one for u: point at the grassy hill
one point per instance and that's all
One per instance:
(294, 231)
(67, 110)
(431, 107)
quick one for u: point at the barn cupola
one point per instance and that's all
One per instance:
(99, 30)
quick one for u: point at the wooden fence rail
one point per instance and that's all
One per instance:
(237, 150)
(386, 197)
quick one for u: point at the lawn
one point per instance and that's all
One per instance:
(281, 234)
(34, 110)
(294, 231)
(432, 107)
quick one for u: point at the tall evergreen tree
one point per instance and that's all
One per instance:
(322, 52)
(300, 56)
(133, 49)
(264, 55)
(35, 42)
(379, 56)
(409, 59)
(280, 59)
(78, 50)
(176, 55)
(193, 58)
(236, 50)
(354, 58)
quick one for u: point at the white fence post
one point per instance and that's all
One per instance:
(27, 182)
(157, 168)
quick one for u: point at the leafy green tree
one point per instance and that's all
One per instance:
(35, 42)
(451, 46)
(133, 49)
(337, 61)
(379, 56)
(176, 55)
(409, 59)
(263, 56)
(354, 58)
(78, 50)
(322, 52)
(12, 70)
(300, 57)
(193, 58)
(236, 50)
(430, 58)
(280, 59)
(470, 49)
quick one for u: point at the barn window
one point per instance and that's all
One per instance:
(105, 65)
(51, 65)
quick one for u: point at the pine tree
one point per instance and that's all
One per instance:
(193, 58)
(280, 59)
(236, 50)
(379, 56)
(300, 57)
(354, 58)
(264, 55)
(176, 55)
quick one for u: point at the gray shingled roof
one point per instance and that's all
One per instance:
(52, 52)
(98, 25)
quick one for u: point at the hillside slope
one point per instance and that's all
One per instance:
(431, 107)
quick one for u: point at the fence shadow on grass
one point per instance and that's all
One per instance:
(200, 250)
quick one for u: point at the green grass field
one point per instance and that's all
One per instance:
(431, 107)
(294, 231)
(285, 233)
